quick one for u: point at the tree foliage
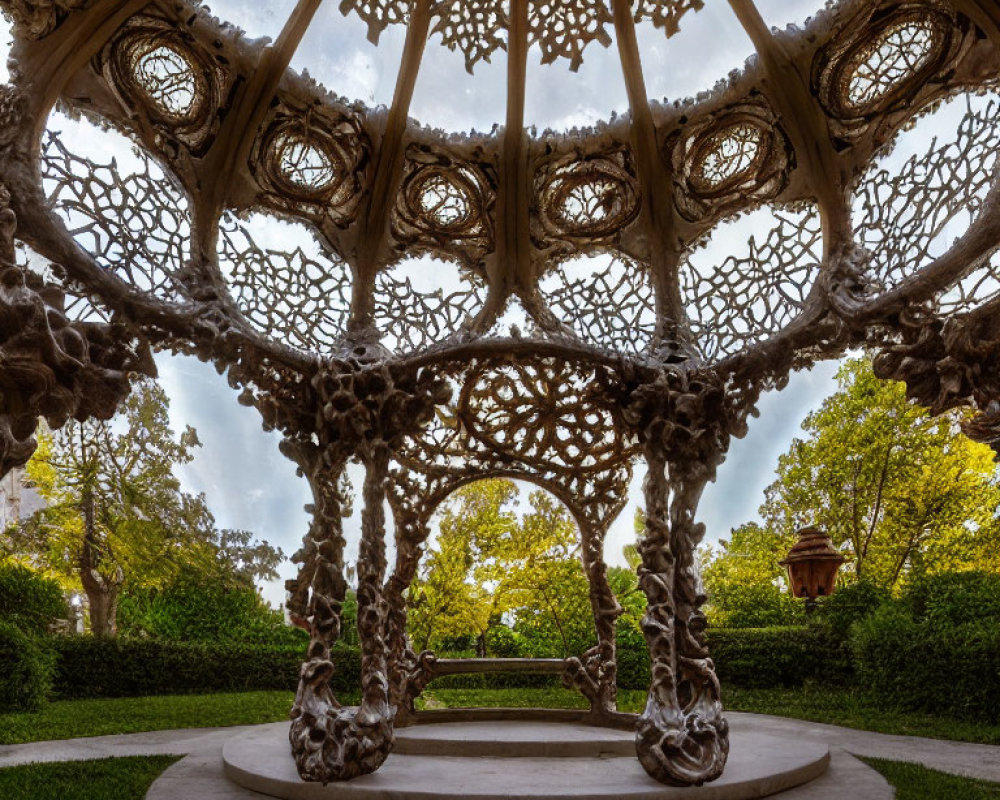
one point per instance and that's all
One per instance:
(115, 512)
(490, 564)
(744, 580)
(902, 493)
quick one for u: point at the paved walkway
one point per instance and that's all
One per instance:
(973, 760)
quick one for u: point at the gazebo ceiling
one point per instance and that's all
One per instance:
(546, 225)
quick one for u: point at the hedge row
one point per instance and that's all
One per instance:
(903, 663)
(26, 667)
(89, 667)
(940, 669)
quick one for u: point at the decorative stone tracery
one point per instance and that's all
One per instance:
(341, 352)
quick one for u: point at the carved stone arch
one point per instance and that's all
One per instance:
(414, 500)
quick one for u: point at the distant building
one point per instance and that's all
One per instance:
(18, 499)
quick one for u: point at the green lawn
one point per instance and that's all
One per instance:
(851, 709)
(913, 782)
(105, 779)
(67, 719)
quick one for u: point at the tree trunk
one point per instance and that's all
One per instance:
(101, 590)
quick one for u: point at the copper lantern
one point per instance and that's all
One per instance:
(812, 564)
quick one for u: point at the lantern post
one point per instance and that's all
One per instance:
(812, 566)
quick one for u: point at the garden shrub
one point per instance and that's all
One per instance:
(932, 667)
(26, 668)
(98, 667)
(850, 604)
(192, 610)
(633, 656)
(954, 598)
(765, 658)
(502, 642)
(29, 600)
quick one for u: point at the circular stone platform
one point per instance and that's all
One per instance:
(520, 761)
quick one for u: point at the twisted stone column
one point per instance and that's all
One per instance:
(408, 671)
(595, 674)
(330, 742)
(681, 738)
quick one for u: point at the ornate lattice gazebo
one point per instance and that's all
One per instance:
(653, 355)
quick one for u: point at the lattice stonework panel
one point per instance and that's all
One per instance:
(283, 282)
(130, 217)
(912, 205)
(607, 300)
(422, 302)
(751, 277)
(477, 28)
(560, 28)
(549, 418)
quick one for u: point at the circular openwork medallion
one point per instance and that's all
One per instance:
(442, 199)
(594, 198)
(740, 155)
(881, 62)
(161, 73)
(727, 156)
(311, 161)
(303, 162)
(445, 203)
(166, 76)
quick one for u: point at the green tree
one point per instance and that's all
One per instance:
(115, 511)
(901, 492)
(490, 564)
(743, 579)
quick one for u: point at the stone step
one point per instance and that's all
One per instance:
(759, 765)
(514, 740)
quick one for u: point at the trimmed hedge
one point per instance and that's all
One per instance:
(89, 667)
(29, 600)
(919, 666)
(26, 666)
(94, 667)
(752, 658)
(766, 658)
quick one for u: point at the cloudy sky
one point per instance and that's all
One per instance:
(247, 482)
